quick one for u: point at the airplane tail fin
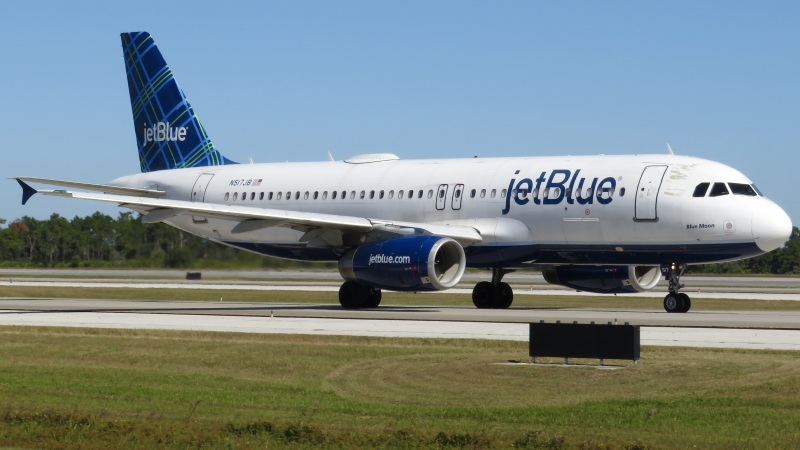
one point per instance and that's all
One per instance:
(168, 132)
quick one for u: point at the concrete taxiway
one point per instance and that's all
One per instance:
(741, 329)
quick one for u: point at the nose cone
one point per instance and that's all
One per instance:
(771, 226)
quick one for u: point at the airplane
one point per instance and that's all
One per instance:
(604, 224)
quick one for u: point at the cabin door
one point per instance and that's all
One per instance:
(647, 193)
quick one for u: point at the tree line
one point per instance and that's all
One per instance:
(126, 242)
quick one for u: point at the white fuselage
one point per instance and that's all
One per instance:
(635, 209)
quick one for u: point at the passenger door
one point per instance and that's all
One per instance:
(647, 193)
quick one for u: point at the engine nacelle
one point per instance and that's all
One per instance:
(418, 263)
(604, 279)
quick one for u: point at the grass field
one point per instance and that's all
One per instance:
(88, 388)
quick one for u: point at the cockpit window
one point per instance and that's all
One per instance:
(756, 189)
(701, 189)
(718, 189)
(742, 189)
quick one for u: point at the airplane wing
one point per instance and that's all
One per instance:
(248, 218)
(105, 188)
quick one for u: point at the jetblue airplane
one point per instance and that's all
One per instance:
(604, 224)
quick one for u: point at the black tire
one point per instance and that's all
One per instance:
(686, 303)
(672, 303)
(483, 295)
(352, 295)
(373, 298)
(504, 296)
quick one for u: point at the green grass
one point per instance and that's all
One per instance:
(89, 388)
(389, 298)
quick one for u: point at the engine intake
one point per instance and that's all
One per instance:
(418, 263)
(604, 279)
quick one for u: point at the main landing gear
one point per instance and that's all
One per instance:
(354, 295)
(493, 294)
(675, 301)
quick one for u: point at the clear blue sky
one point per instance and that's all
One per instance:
(280, 81)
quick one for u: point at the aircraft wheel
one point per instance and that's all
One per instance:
(483, 295)
(686, 303)
(504, 296)
(672, 303)
(374, 298)
(353, 295)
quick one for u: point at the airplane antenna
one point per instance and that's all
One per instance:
(669, 149)
(250, 159)
(330, 157)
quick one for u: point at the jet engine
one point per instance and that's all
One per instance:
(604, 279)
(416, 263)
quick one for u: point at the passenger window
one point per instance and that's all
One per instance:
(410, 193)
(472, 193)
(494, 193)
(227, 194)
(288, 195)
(361, 196)
(483, 193)
(701, 189)
(352, 195)
(400, 194)
(316, 195)
(235, 196)
(420, 193)
(371, 194)
(718, 189)
(742, 189)
(297, 195)
(333, 195)
(381, 195)
(261, 196)
(430, 193)
(280, 194)
(252, 196)
(324, 195)
(622, 192)
(503, 193)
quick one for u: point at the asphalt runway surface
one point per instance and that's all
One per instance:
(741, 329)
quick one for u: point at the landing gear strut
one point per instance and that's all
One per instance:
(494, 294)
(353, 295)
(676, 301)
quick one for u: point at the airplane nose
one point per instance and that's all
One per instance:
(772, 227)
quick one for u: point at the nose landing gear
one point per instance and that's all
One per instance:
(676, 301)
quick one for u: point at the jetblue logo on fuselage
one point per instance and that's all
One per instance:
(388, 259)
(162, 132)
(559, 186)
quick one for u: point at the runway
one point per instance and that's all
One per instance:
(739, 329)
(722, 329)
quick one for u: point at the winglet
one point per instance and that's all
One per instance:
(27, 191)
